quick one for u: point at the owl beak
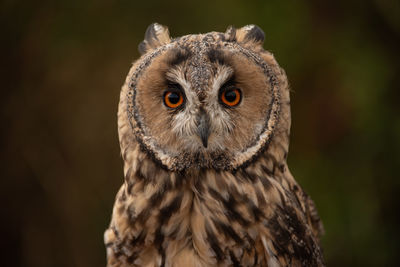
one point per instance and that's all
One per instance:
(203, 128)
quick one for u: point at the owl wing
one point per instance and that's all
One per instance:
(289, 242)
(313, 217)
(290, 236)
(310, 211)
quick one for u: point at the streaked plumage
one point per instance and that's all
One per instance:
(207, 184)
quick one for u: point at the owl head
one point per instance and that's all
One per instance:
(214, 100)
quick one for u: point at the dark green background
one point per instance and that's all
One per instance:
(62, 65)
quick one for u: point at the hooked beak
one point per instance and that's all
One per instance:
(203, 128)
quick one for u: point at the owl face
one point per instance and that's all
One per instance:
(202, 101)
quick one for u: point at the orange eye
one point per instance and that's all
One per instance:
(231, 97)
(173, 99)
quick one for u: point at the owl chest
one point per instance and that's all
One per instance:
(192, 229)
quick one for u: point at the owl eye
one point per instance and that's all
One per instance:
(173, 99)
(231, 97)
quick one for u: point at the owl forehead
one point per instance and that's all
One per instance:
(198, 52)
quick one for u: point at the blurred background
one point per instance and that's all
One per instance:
(63, 63)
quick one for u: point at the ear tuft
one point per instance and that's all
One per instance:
(230, 34)
(250, 34)
(156, 35)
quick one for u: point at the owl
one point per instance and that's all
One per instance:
(203, 123)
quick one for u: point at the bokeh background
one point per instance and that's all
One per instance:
(62, 66)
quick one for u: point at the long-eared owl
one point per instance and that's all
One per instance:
(203, 124)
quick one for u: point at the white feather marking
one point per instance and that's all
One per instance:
(248, 27)
(184, 122)
(223, 74)
(157, 27)
(271, 257)
(221, 122)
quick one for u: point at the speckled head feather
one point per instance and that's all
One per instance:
(204, 123)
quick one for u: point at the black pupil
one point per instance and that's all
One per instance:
(230, 96)
(174, 98)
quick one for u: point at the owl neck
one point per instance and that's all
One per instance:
(141, 167)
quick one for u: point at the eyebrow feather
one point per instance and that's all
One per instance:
(178, 55)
